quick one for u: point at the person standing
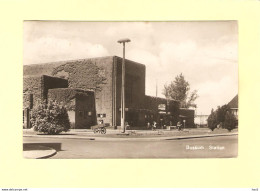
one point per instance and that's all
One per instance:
(154, 125)
(179, 125)
(148, 125)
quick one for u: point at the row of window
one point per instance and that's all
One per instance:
(85, 114)
(89, 113)
(101, 115)
(148, 116)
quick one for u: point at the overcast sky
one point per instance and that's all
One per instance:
(205, 52)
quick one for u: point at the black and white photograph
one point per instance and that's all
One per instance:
(130, 90)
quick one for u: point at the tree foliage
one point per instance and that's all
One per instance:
(221, 113)
(230, 121)
(223, 117)
(212, 120)
(50, 118)
(179, 89)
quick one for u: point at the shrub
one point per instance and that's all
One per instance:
(50, 118)
(212, 120)
(230, 121)
(221, 113)
(72, 125)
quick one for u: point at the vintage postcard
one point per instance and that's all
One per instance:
(130, 89)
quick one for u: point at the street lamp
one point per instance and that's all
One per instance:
(123, 85)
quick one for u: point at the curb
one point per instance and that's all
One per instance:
(39, 152)
(133, 139)
(61, 137)
(48, 156)
(202, 136)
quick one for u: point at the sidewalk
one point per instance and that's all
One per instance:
(32, 151)
(133, 135)
(46, 150)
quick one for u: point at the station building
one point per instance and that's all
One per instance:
(100, 80)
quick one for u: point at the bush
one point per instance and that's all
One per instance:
(50, 118)
(230, 121)
(221, 113)
(212, 120)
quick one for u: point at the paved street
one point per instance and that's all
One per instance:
(210, 147)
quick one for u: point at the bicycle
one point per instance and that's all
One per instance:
(101, 130)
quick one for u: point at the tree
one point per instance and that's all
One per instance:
(50, 118)
(212, 120)
(230, 121)
(221, 113)
(179, 89)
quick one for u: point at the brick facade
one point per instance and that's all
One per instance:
(80, 105)
(134, 91)
(188, 115)
(36, 88)
(49, 82)
(162, 110)
(139, 107)
(31, 88)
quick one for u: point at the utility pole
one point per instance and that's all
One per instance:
(156, 88)
(123, 85)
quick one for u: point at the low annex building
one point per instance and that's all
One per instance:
(188, 116)
(100, 80)
(79, 103)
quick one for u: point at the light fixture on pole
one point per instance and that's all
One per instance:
(123, 85)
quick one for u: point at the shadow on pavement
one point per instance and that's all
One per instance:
(57, 134)
(35, 146)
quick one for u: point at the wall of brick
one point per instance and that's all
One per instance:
(108, 98)
(90, 73)
(32, 85)
(152, 103)
(28, 101)
(104, 96)
(85, 113)
(190, 115)
(97, 69)
(38, 86)
(64, 95)
(171, 112)
(134, 87)
(79, 103)
(40, 69)
(49, 82)
(134, 83)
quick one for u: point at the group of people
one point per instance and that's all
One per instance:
(155, 126)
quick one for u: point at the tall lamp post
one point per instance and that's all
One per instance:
(123, 85)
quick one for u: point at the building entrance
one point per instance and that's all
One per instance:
(132, 118)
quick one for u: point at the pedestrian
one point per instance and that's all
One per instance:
(127, 125)
(179, 125)
(154, 125)
(148, 125)
(101, 123)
